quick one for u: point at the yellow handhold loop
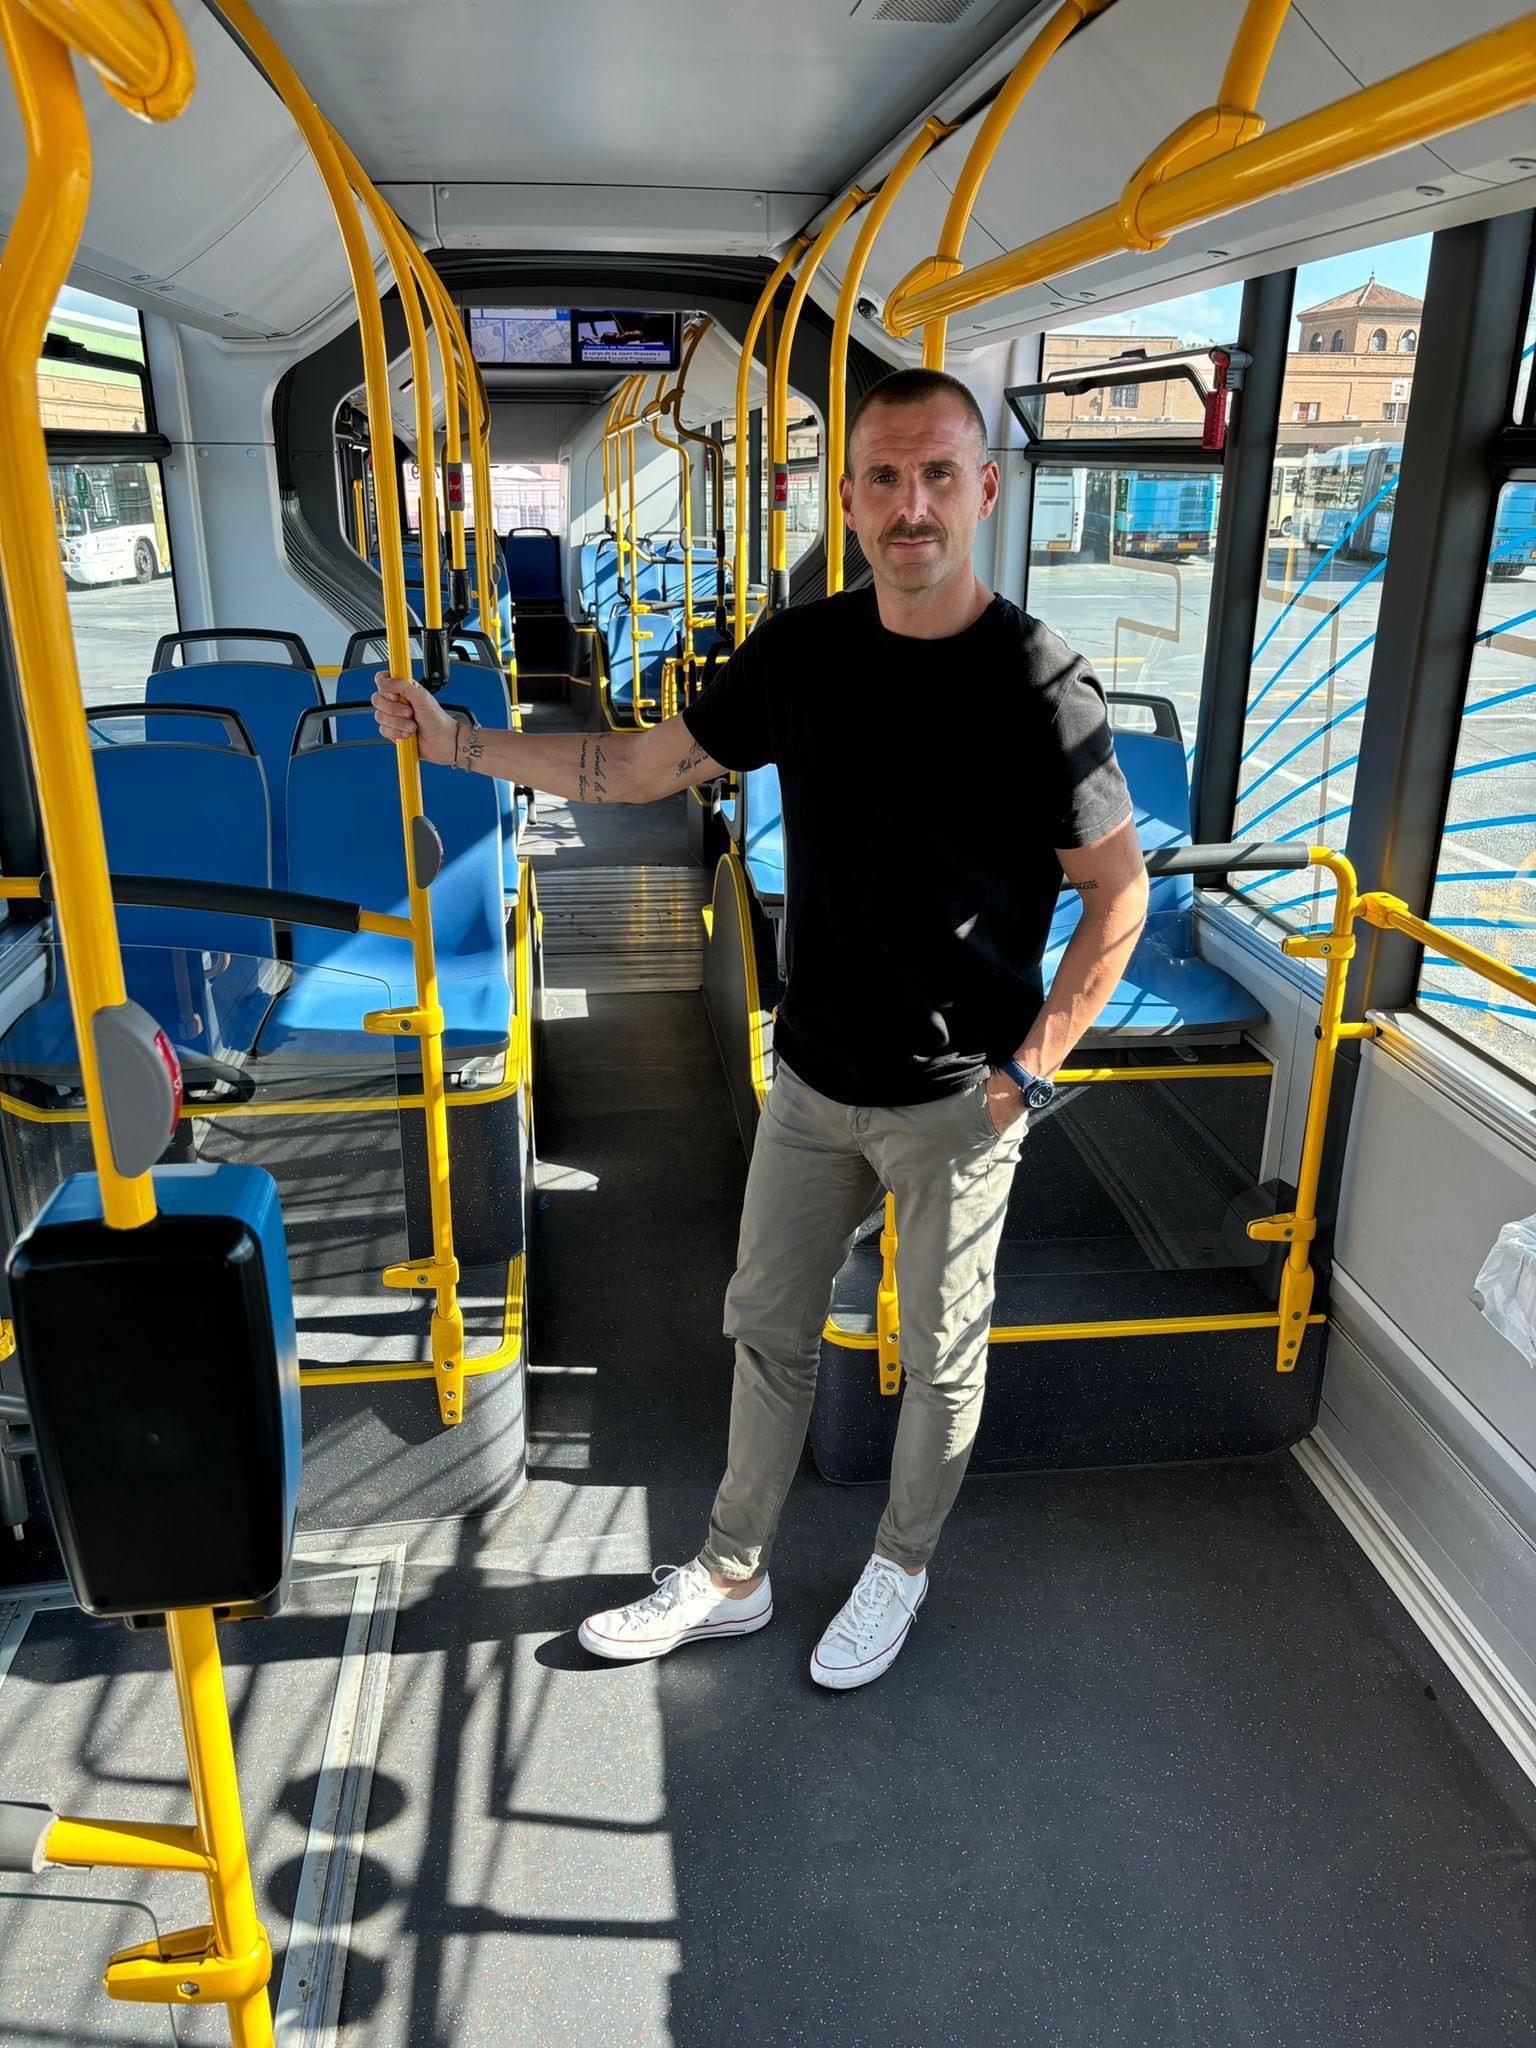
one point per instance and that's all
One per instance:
(186, 1969)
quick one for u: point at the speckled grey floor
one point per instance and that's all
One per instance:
(1163, 1765)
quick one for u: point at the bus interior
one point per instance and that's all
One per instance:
(372, 1136)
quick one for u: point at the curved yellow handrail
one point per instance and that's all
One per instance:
(931, 132)
(1492, 74)
(945, 262)
(138, 48)
(765, 299)
(424, 1021)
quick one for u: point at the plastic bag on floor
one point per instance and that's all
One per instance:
(1506, 1286)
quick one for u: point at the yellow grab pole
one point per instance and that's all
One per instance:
(424, 1021)
(946, 260)
(1492, 74)
(359, 517)
(847, 298)
(1252, 49)
(37, 258)
(1390, 913)
(778, 501)
(776, 277)
(35, 262)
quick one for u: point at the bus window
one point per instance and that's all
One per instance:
(109, 511)
(1524, 410)
(1331, 507)
(1159, 411)
(1120, 567)
(1485, 879)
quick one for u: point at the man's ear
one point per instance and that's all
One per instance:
(989, 489)
(845, 499)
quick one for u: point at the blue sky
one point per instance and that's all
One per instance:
(1203, 317)
(71, 301)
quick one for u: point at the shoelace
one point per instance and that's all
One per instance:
(668, 1581)
(866, 1606)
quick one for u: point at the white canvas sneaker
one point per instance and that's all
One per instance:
(865, 1636)
(685, 1608)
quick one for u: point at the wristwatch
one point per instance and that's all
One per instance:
(1037, 1093)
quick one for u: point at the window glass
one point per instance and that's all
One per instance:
(1523, 407)
(802, 525)
(1120, 567)
(116, 556)
(522, 494)
(1331, 506)
(1158, 410)
(1485, 881)
(91, 397)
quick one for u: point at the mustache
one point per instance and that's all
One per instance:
(901, 531)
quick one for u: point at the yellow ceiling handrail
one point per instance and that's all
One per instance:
(932, 131)
(138, 49)
(945, 262)
(1492, 74)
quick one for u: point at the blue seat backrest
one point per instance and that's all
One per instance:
(705, 577)
(762, 827)
(195, 813)
(597, 575)
(270, 698)
(533, 567)
(1158, 780)
(345, 841)
(482, 692)
(618, 641)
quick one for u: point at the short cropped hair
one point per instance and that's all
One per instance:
(912, 387)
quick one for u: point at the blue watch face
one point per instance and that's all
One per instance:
(1036, 1091)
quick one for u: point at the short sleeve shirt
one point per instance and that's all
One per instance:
(926, 788)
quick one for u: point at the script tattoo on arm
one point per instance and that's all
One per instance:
(1083, 888)
(581, 773)
(690, 761)
(599, 786)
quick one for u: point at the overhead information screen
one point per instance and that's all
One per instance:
(521, 337)
(625, 340)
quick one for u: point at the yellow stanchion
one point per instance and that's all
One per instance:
(776, 277)
(778, 497)
(424, 1020)
(147, 64)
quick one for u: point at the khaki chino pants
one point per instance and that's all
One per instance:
(817, 1171)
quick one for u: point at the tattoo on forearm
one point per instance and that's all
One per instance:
(1082, 888)
(581, 773)
(689, 762)
(599, 786)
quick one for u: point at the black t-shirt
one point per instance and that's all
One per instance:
(926, 785)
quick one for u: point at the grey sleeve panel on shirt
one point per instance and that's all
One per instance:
(1089, 795)
(730, 719)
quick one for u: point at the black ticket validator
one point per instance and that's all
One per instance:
(161, 1371)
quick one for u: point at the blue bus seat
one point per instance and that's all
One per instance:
(270, 698)
(482, 692)
(532, 556)
(194, 813)
(1167, 990)
(343, 809)
(762, 829)
(621, 665)
(597, 575)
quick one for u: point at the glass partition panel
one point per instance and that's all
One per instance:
(1348, 385)
(53, 1948)
(1485, 883)
(1120, 567)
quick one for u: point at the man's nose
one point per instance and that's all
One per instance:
(914, 500)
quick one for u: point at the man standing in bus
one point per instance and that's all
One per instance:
(914, 1036)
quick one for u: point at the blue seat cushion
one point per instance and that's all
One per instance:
(1167, 990)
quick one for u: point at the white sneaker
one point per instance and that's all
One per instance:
(684, 1608)
(864, 1638)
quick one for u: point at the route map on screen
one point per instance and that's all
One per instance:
(521, 336)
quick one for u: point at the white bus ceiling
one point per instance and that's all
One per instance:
(722, 130)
